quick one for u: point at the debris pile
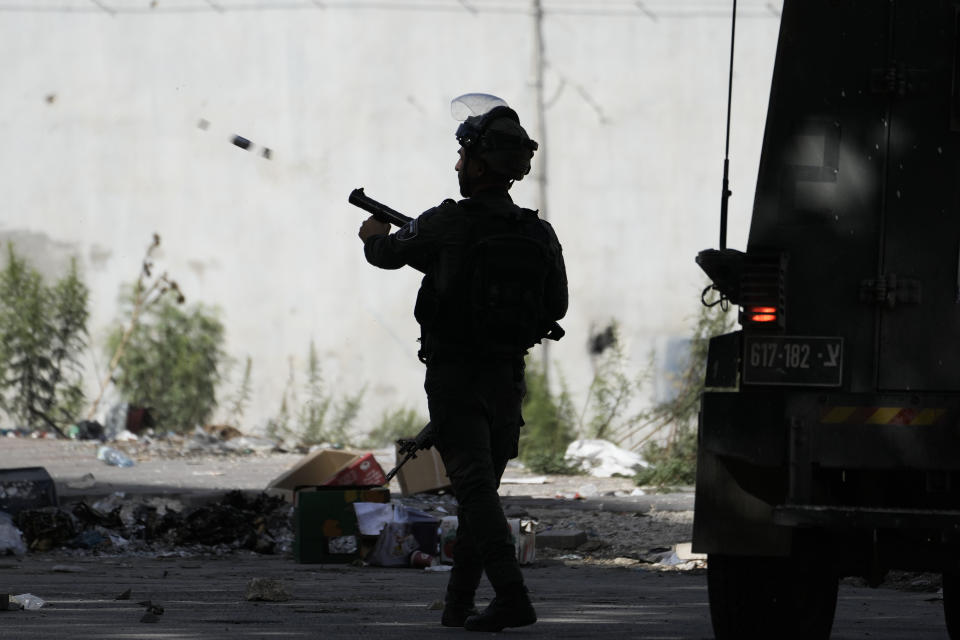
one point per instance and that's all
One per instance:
(261, 523)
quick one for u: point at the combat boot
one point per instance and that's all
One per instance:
(510, 608)
(457, 607)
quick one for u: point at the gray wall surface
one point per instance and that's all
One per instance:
(116, 119)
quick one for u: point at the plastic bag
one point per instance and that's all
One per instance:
(28, 601)
(114, 457)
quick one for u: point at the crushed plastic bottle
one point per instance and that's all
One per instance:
(28, 601)
(113, 457)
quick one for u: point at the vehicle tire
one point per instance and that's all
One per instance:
(951, 603)
(759, 597)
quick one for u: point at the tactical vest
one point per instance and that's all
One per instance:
(493, 305)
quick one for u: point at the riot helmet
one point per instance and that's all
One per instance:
(490, 130)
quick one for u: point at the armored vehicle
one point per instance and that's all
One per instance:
(829, 438)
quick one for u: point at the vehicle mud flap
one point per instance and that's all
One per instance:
(951, 603)
(753, 597)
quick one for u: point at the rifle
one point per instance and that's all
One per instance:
(424, 440)
(380, 211)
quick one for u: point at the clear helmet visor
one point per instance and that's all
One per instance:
(474, 104)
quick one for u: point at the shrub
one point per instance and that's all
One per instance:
(171, 363)
(312, 422)
(394, 425)
(549, 427)
(42, 334)
(673, 460)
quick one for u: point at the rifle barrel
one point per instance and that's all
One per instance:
(380, 211)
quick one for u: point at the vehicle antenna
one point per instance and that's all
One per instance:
(725, 197)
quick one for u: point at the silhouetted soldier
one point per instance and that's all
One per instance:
(494, 285)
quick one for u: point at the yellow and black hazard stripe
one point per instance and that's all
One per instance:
(911, 416)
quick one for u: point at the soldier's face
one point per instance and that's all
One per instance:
(467, 172)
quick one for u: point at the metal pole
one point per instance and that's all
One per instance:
(541, 137)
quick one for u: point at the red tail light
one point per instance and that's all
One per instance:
(763, 314)
(762, 296)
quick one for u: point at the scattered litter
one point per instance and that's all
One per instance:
(250, 444)
(125, 422)
(259, 523)
(588, 491)
(439, 568)
(625, 562)
(570, 556)
(153, 612)
(85, 430)
(113, 457)
(343, 545)
(46, 528)
(678, 558)
(86, 481)
(684, 551)
(222, 431)
(155, 609)
(88, 540)
(267, 590)
(670, 560)
(421, 560)
(394, 546)
(372, 517)
(603, 459)
(28, 601)
(436, 605)
(532, 480)
(67, 568)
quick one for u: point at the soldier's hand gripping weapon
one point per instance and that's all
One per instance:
(409, 448)
(380, 211)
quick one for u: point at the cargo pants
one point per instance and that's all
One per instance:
(475, 410)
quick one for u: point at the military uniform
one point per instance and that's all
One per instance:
(474, 392)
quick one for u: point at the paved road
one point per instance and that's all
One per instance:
(204, 597)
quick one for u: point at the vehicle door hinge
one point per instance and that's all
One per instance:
(889, 290)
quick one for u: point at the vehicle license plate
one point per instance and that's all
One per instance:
(793, 360)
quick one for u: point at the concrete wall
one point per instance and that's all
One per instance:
(116, 119)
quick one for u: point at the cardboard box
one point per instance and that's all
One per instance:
(522, 535)
(423, 473)
(330, 467)
(325, 523)
(363, 471)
